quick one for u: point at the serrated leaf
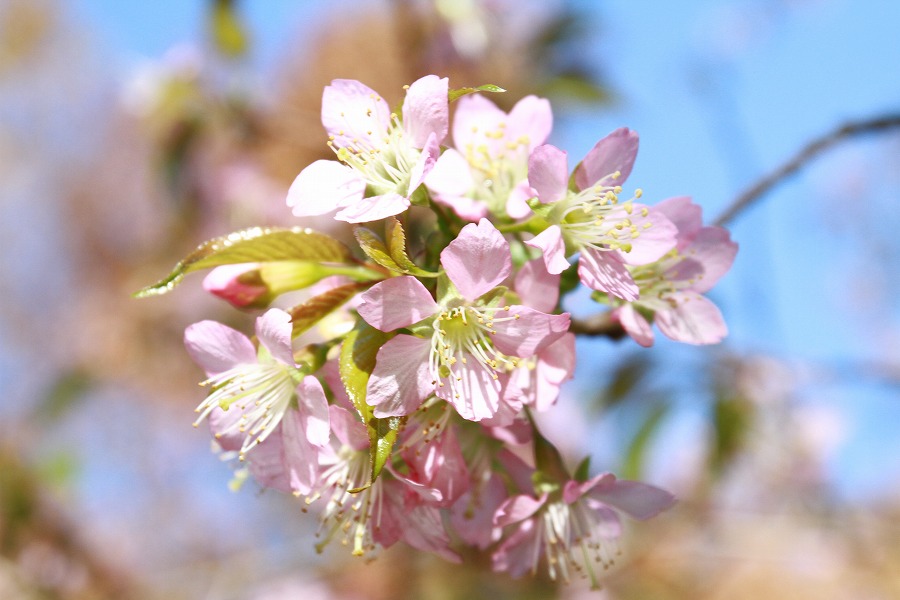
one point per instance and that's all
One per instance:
(304, 316)
(356, 362)
(375, 249)
(454, 95)
(257, 244)
(396, 246)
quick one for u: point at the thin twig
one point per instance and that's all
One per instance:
(597, 325)
(807, 154)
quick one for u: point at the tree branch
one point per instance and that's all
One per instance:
(807, 154)
(597, 325)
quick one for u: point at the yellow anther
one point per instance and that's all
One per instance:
(628, 207)
(638, 193)
(616, 175)
(647, 225)
(645, 211)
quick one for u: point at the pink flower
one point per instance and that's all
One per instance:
(572, 526)
(609, 233)
(381, 160)
(387, 511)
(252, 389)
(537, 380)
(472, 341)
(671, 288)
(488, 172)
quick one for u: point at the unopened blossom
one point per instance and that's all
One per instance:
(250, 389)
(671, 289)
(608, 230)
(487, 172)
(382, 159)
(572, 527)
(472, 342)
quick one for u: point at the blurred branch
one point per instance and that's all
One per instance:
(806, 155)
(597, 325)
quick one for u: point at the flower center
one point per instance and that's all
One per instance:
(463, 333)
(386, 167)
(262, 394)
(598, 218)
(497, 167)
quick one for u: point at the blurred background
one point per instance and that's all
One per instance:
(130, 132)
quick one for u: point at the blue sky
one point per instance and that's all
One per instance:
(721, 92)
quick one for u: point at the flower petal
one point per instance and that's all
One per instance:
(477, 260)
(323, 187)
(657, 235)
(605, 272)
(685, 215)
(396, 302)
(431, 150)
(313, 406)
(347, 427)
(373, 208)
(517, 508)
(476, 115)
(479, 392)
(524, 331)
(354, 114)
(615, 152)
(531, 118)
(401, 379)
(550, 242)
(517, 202)
(713, 249)
(274, 332)
(218, 348)
(536, 287)
(637, 500)
(426, 110)
(634, 324)
(693, 320)
(548, 173)
(300, 455)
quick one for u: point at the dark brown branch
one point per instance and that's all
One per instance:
(806, 155)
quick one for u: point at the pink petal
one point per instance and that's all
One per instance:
(634, 324)
(637, 500)
(451, 174)
(218, 348)
(373, 208)
(694, 320)
(223, 425)
(396, 302)
(685, 215)
(657, 235)
(472, 515)
(324, 187)
(548, 173)
(402, 378)
(536, 287)
(605, 272)
(426, 110)
(531, 118)
(274, 332)
(615, 152)
(354, 114)
(477, 260)
(550, 242)
(524, 331)
(225, 282)
(313, 407)
(347, 427)
(517, 508)
(713, 249)
(266, 463)
(300, 455)
(431, 150)
(479, 395)
(475, 115)
(517, 202)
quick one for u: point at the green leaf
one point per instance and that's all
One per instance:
(375, 249)
(257, 244)
(396, 246)
(304, 316)
(356, 362)
(488, 87)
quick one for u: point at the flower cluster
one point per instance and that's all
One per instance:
(413, 419)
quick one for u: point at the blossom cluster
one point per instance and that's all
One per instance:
(413, 418)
